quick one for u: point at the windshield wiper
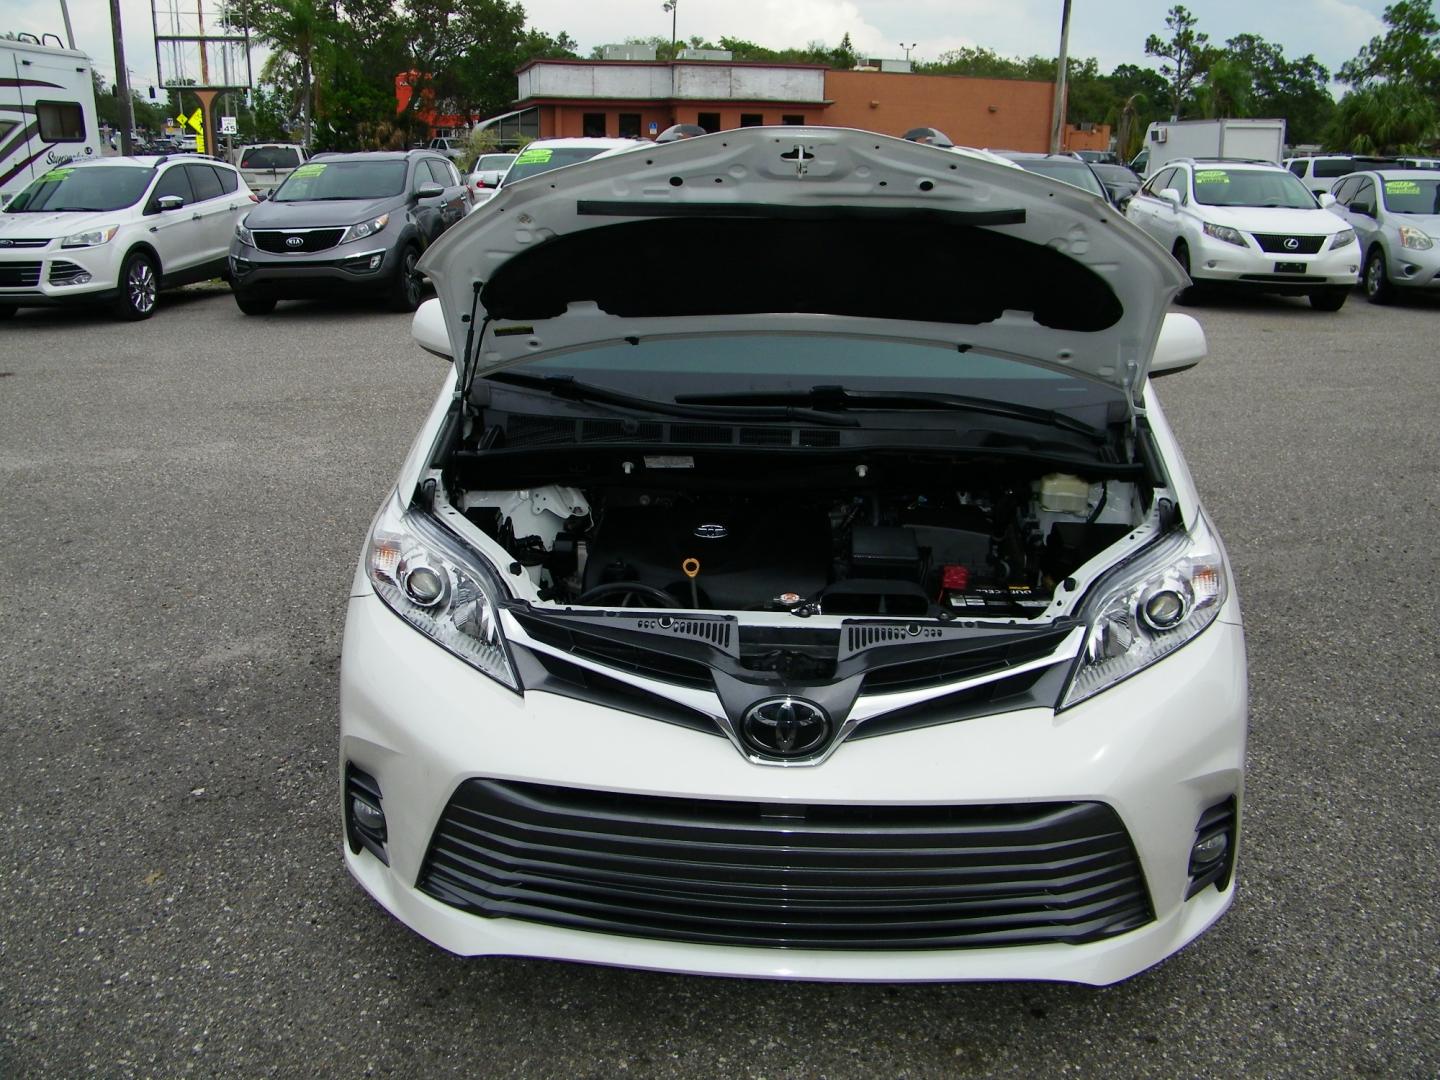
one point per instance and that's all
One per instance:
(837, 397)
(565, 386)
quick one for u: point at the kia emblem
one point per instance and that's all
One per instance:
(294, 241)
(711, 532)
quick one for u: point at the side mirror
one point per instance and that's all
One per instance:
(1361, 207)
(264, 196)
(1327, 200)
(169, 202)
(1181, 345)
(429, 191)
(1171, 196)
(429, 331)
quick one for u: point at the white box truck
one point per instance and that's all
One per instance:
(47, 111)
(1256, 140)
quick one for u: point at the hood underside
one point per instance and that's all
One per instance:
(805, 230)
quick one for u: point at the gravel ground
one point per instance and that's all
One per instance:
(183, 502)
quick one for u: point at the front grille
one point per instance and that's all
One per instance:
(958, 664)
(624, 655)
(1276, 242)
(28, 243)
(62, 272)
(787, 876)
(278, 241)
(19, 275)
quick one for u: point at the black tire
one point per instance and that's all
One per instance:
(1191, 294)
(407, 289)
(254, 303)
(139, 287)
(1374, 279)
(1331, 299)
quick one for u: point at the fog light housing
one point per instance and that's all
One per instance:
(375, 261)
(1212, 853)
(364, 815)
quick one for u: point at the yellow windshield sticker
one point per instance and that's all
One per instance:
(310, 169)
(1212, 176)
(1401, 187)
(534, 157)
(55, 175)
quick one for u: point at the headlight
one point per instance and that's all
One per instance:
(1148, 609)
(1225, 233)
(243, 234)
(365, 228)
(1412, 237)
(427, 578)
(1343, 238)
(91, 238)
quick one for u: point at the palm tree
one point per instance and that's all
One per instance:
(296, 29)
(1385, 118)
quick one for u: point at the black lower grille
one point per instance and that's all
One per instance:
(309, 240)
(62, 272)
(19, 275)
(1287, 243)
(757, 874)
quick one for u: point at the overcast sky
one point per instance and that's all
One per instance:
(1112, 30)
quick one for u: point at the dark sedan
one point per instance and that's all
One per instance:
(1119, 181)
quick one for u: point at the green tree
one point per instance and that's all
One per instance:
(297, 31)
(1386, 118)
(1185, 53)
(1226, 90)
(1409, 51)
(1297, 90)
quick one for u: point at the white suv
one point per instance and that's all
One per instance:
(118, 229)
(1248, 225)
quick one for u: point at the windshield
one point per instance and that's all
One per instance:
(95, 187)
(1075, 173)
(1412, 196)
(662, 368)
(342, 180)
(270, 157)
(542, 159)
(1251, 187)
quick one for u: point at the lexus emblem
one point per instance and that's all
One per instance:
(785, 727)
(711, 532)
(4, 243)
(294, 241)
(1291, 244)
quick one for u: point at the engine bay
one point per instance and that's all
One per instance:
(905, 536)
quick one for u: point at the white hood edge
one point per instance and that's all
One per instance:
(845, 168)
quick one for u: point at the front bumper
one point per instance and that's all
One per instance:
(1159, 749)
(323, 272)
(1409, 268)
(56, 275)
(1214, 262)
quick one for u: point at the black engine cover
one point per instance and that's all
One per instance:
(747, 555)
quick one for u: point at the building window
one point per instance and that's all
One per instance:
(593, 125)
(793, 120)
(752, 119)
(629, 125)
(710, 121)
(60, 121)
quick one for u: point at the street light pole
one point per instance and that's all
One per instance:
(907, 49)
(672, 6)
(1057, 118)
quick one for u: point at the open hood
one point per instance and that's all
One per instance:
(805, 230)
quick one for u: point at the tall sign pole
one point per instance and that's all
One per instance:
(1057, 117)
(122, 81)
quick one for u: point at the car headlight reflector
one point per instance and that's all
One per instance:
(91, 237)
(1343, 238)
(244, 235)
(365, 228)
(1415, 239)
(430, 580)
(1149, 608)
(1225, 233)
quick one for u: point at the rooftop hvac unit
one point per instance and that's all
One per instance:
(1160, 135)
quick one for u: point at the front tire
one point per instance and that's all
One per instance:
(1191, 294)
(1332, 299)
(1375, 280)
(253, 303)
(405, 294)
(139, 287)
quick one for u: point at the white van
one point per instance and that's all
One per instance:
(47, 112)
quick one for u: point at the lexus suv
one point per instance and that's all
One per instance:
(346, 224)
(117, 230)
(1247, 225)
(753, 616)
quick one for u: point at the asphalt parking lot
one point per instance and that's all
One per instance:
(183, 502)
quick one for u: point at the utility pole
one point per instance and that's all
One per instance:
(907, 49)
(65, 14)
(672, 6)
(1057, 118)
(122, 82)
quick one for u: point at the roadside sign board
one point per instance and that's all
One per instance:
(227, 125)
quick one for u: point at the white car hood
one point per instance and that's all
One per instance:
(806, 230)
(1274, 219)
(44, 226)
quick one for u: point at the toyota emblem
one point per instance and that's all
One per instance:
(1292, 244)
(294, 241)
(785, 727)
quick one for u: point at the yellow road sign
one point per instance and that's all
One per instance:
(195, 121)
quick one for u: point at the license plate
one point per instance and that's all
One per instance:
(1289, 268)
